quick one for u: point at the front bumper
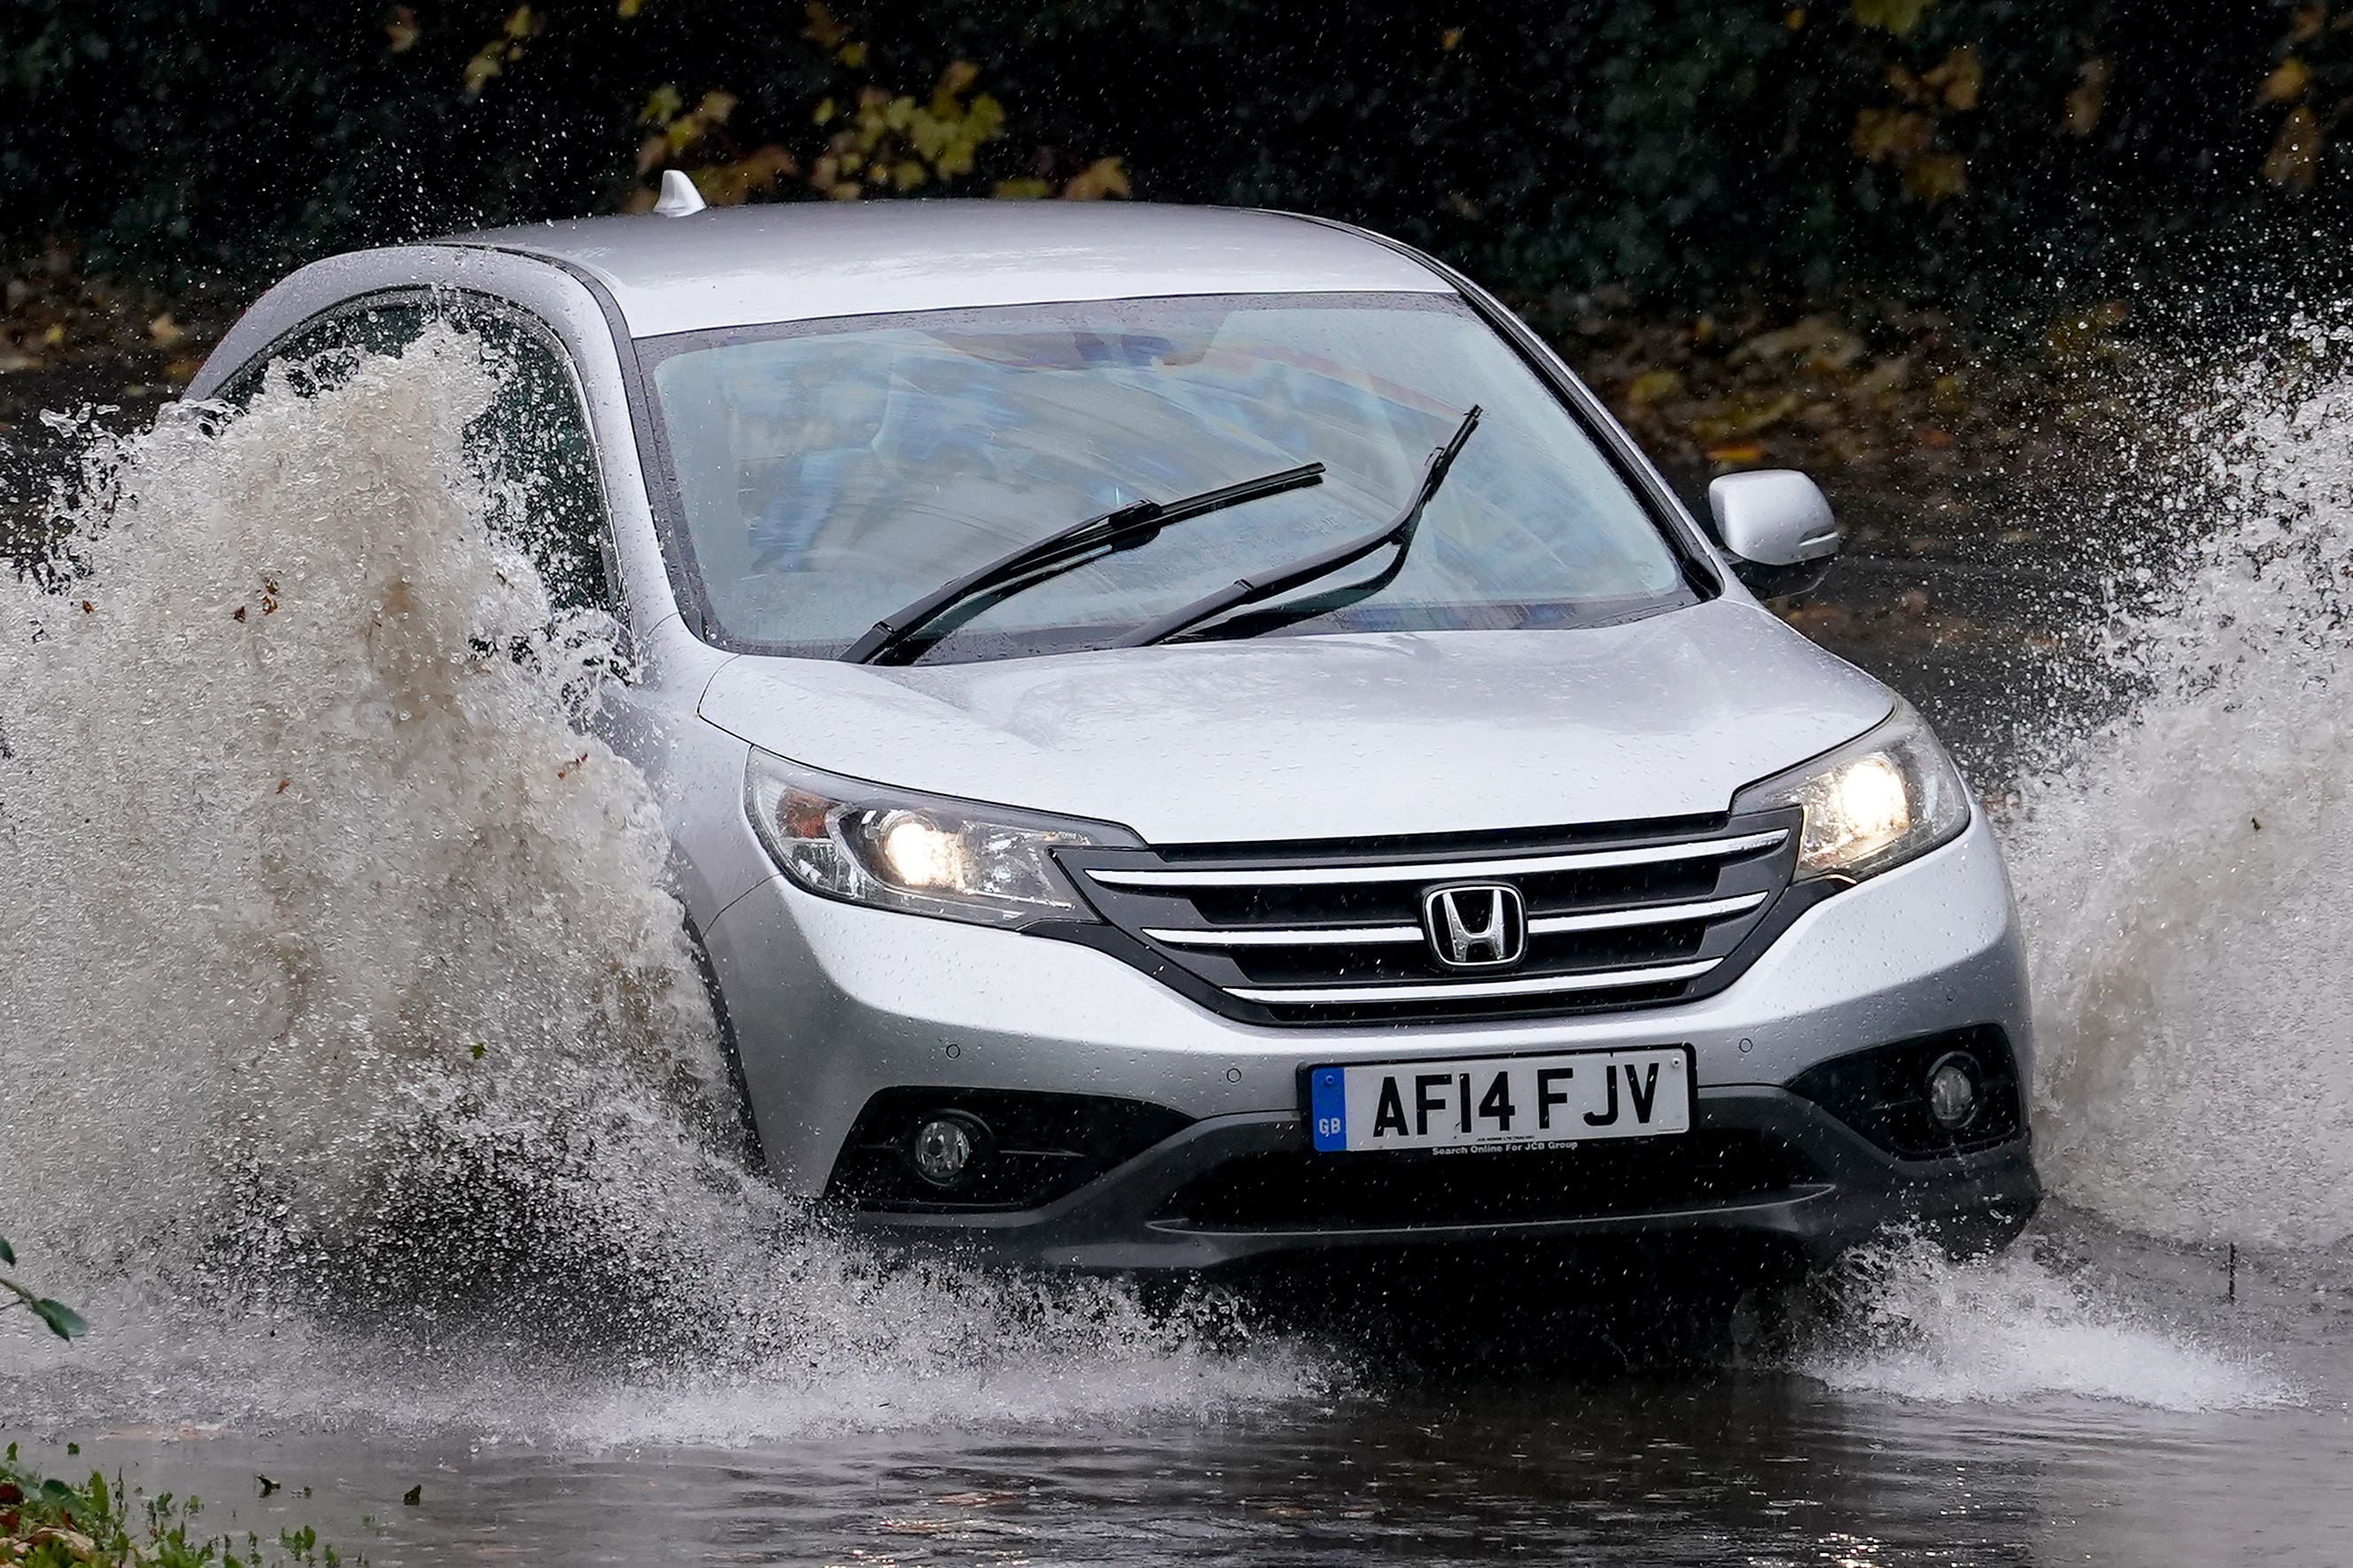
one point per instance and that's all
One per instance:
(833, 1004)
(1122, 1220)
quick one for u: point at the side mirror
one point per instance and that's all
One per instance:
(1779, 529)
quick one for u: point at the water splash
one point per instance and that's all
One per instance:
(347, 1019)
(2186, 872)
(1911, 1322)
(346, 1023)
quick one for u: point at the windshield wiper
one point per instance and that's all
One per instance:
(1399, 532)
(1065, 548)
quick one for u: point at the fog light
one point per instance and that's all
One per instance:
(1954, 1092)
(945, 1148)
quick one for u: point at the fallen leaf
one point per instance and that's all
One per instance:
(73, 1541)
(1821, 342)
(2287, 83)
(1746, 452)
(757, 173)
(1934, 177)
(1957, 78)
(2294, 158)
(2086, 102)
(1896, 16)
(822, 29)
(1749, 414)
(1103, 177)
(1652, 385)
(1820, 621)
(1886, 376)
(1891, 135)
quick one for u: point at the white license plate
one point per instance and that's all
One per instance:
(1501, 1103)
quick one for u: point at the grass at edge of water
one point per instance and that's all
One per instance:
(45, 1523)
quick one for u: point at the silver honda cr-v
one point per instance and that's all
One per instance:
(1189, 733)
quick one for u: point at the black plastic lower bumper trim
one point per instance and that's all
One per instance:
(1132, 1217)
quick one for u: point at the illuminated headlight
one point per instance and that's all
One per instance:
(1875, 802)
(922, 854)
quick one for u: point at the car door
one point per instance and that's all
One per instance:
(532, 447)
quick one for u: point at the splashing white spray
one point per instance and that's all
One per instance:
(336, 981)
(2184, 869)
(2188, 878)
(338, 986)
(1999, 1329)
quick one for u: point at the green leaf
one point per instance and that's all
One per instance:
(63, 1321)
(413, 1496)
(7, 1253)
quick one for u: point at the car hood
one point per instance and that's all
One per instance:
(1332, 736)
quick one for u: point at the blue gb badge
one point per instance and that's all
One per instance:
(1328, 1107)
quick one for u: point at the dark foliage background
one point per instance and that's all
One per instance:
(1687, 150)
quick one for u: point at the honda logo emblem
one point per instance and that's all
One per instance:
(1476, 925)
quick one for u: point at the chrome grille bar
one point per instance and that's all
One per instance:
(1285, 936)
(1644, 915)
(1443, 870)
(1476, 990)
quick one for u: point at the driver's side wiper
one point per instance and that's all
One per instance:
(1399, 532)
(1068, 547)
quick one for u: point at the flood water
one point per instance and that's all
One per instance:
(352, 1054)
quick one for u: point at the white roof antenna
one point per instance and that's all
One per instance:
(679, 197)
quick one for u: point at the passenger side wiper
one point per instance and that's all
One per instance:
(1059, 552)
(1399, 532)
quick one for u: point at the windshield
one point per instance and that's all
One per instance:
(829, 472)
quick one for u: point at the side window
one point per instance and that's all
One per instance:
(532, 446)
(322, 352)
(540, 463)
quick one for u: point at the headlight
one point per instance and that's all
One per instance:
(1875, 802)
(924, 854)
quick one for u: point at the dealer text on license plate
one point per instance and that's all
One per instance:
(1501, 1103)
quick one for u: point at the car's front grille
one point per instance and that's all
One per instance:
(1292, 1192)
(1330, 935)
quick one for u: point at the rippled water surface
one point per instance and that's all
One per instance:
(359, 1091)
